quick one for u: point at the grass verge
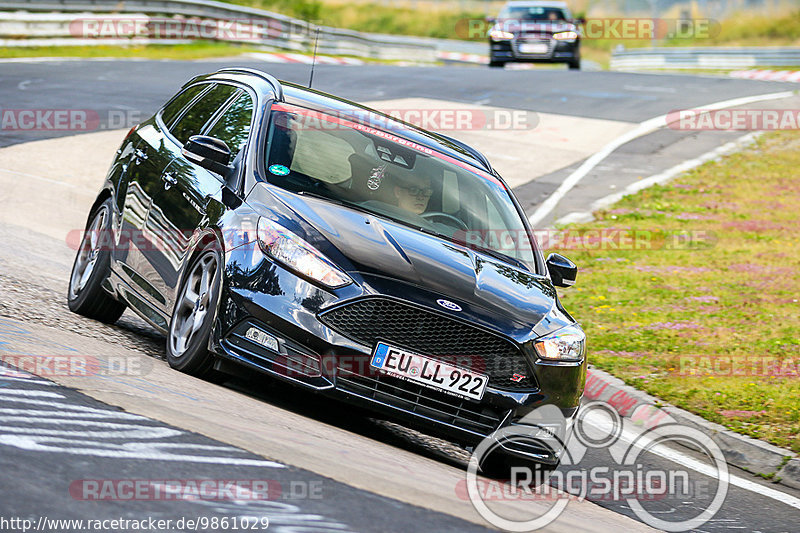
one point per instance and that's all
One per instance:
(195, 50)
(712, 323)
(424, 21)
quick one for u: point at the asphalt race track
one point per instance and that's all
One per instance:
(325, 468)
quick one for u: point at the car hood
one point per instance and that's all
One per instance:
(365, 244)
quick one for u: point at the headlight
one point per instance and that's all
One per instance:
(565, 36)
(565, 344)
(286, 247)
(500, 35)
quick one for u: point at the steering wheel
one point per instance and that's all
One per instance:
(438, 214)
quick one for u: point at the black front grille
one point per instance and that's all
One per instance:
(369, 320)
(463, 413)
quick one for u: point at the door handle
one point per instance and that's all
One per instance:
(139, 155)
(169, 180)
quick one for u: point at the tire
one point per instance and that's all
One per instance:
(92, 266)
(575, 65)
(193, 317)
(496, 64)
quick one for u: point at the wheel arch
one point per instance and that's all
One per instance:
(104, 195)
(199, 243)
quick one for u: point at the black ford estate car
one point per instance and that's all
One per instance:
(268, 227)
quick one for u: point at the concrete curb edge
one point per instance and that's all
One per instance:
(753, 455)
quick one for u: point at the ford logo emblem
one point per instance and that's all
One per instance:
(447, 304)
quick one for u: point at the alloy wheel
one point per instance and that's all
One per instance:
(193, 305)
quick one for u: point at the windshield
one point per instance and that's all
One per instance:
(322, 155)
(533, 13)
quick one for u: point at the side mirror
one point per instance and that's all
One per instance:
(579, 22)
(208, 152)
(563, 272)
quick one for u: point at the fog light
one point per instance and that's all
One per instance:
(263, 338)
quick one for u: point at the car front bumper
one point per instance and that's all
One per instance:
(557, 52)
(260, 294)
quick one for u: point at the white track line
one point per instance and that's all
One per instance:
(630, 436)
(648, 126)
(657, 179)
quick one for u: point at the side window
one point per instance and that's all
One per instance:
(174, 107)
(192, 122)
(233, 126)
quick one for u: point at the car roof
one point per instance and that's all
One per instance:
(321, 102)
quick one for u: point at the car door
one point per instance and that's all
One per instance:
(187, 189)
(151, 155)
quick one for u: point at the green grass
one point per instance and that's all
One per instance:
(373, 17)
(757, 30)
(743, 29)
(195, 50)
(439, 20)
(661, 318)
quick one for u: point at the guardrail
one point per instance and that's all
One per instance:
(278, 31)
(706, 58)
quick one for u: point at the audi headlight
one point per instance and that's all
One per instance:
(281, 244)
(565, 344)
(500, 35)
(565, 36)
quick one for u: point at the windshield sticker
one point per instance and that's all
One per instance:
(278, 170)
(375, 178)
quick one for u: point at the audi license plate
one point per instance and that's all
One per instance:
(533, 48)
(429, 372)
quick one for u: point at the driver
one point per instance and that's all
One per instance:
(413, 193)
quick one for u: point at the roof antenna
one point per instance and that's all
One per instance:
(314, 58)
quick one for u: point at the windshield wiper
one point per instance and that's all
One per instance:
(502, 257)
(336, 201)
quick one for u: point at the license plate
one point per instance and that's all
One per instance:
(533, 48)
(429, 372)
